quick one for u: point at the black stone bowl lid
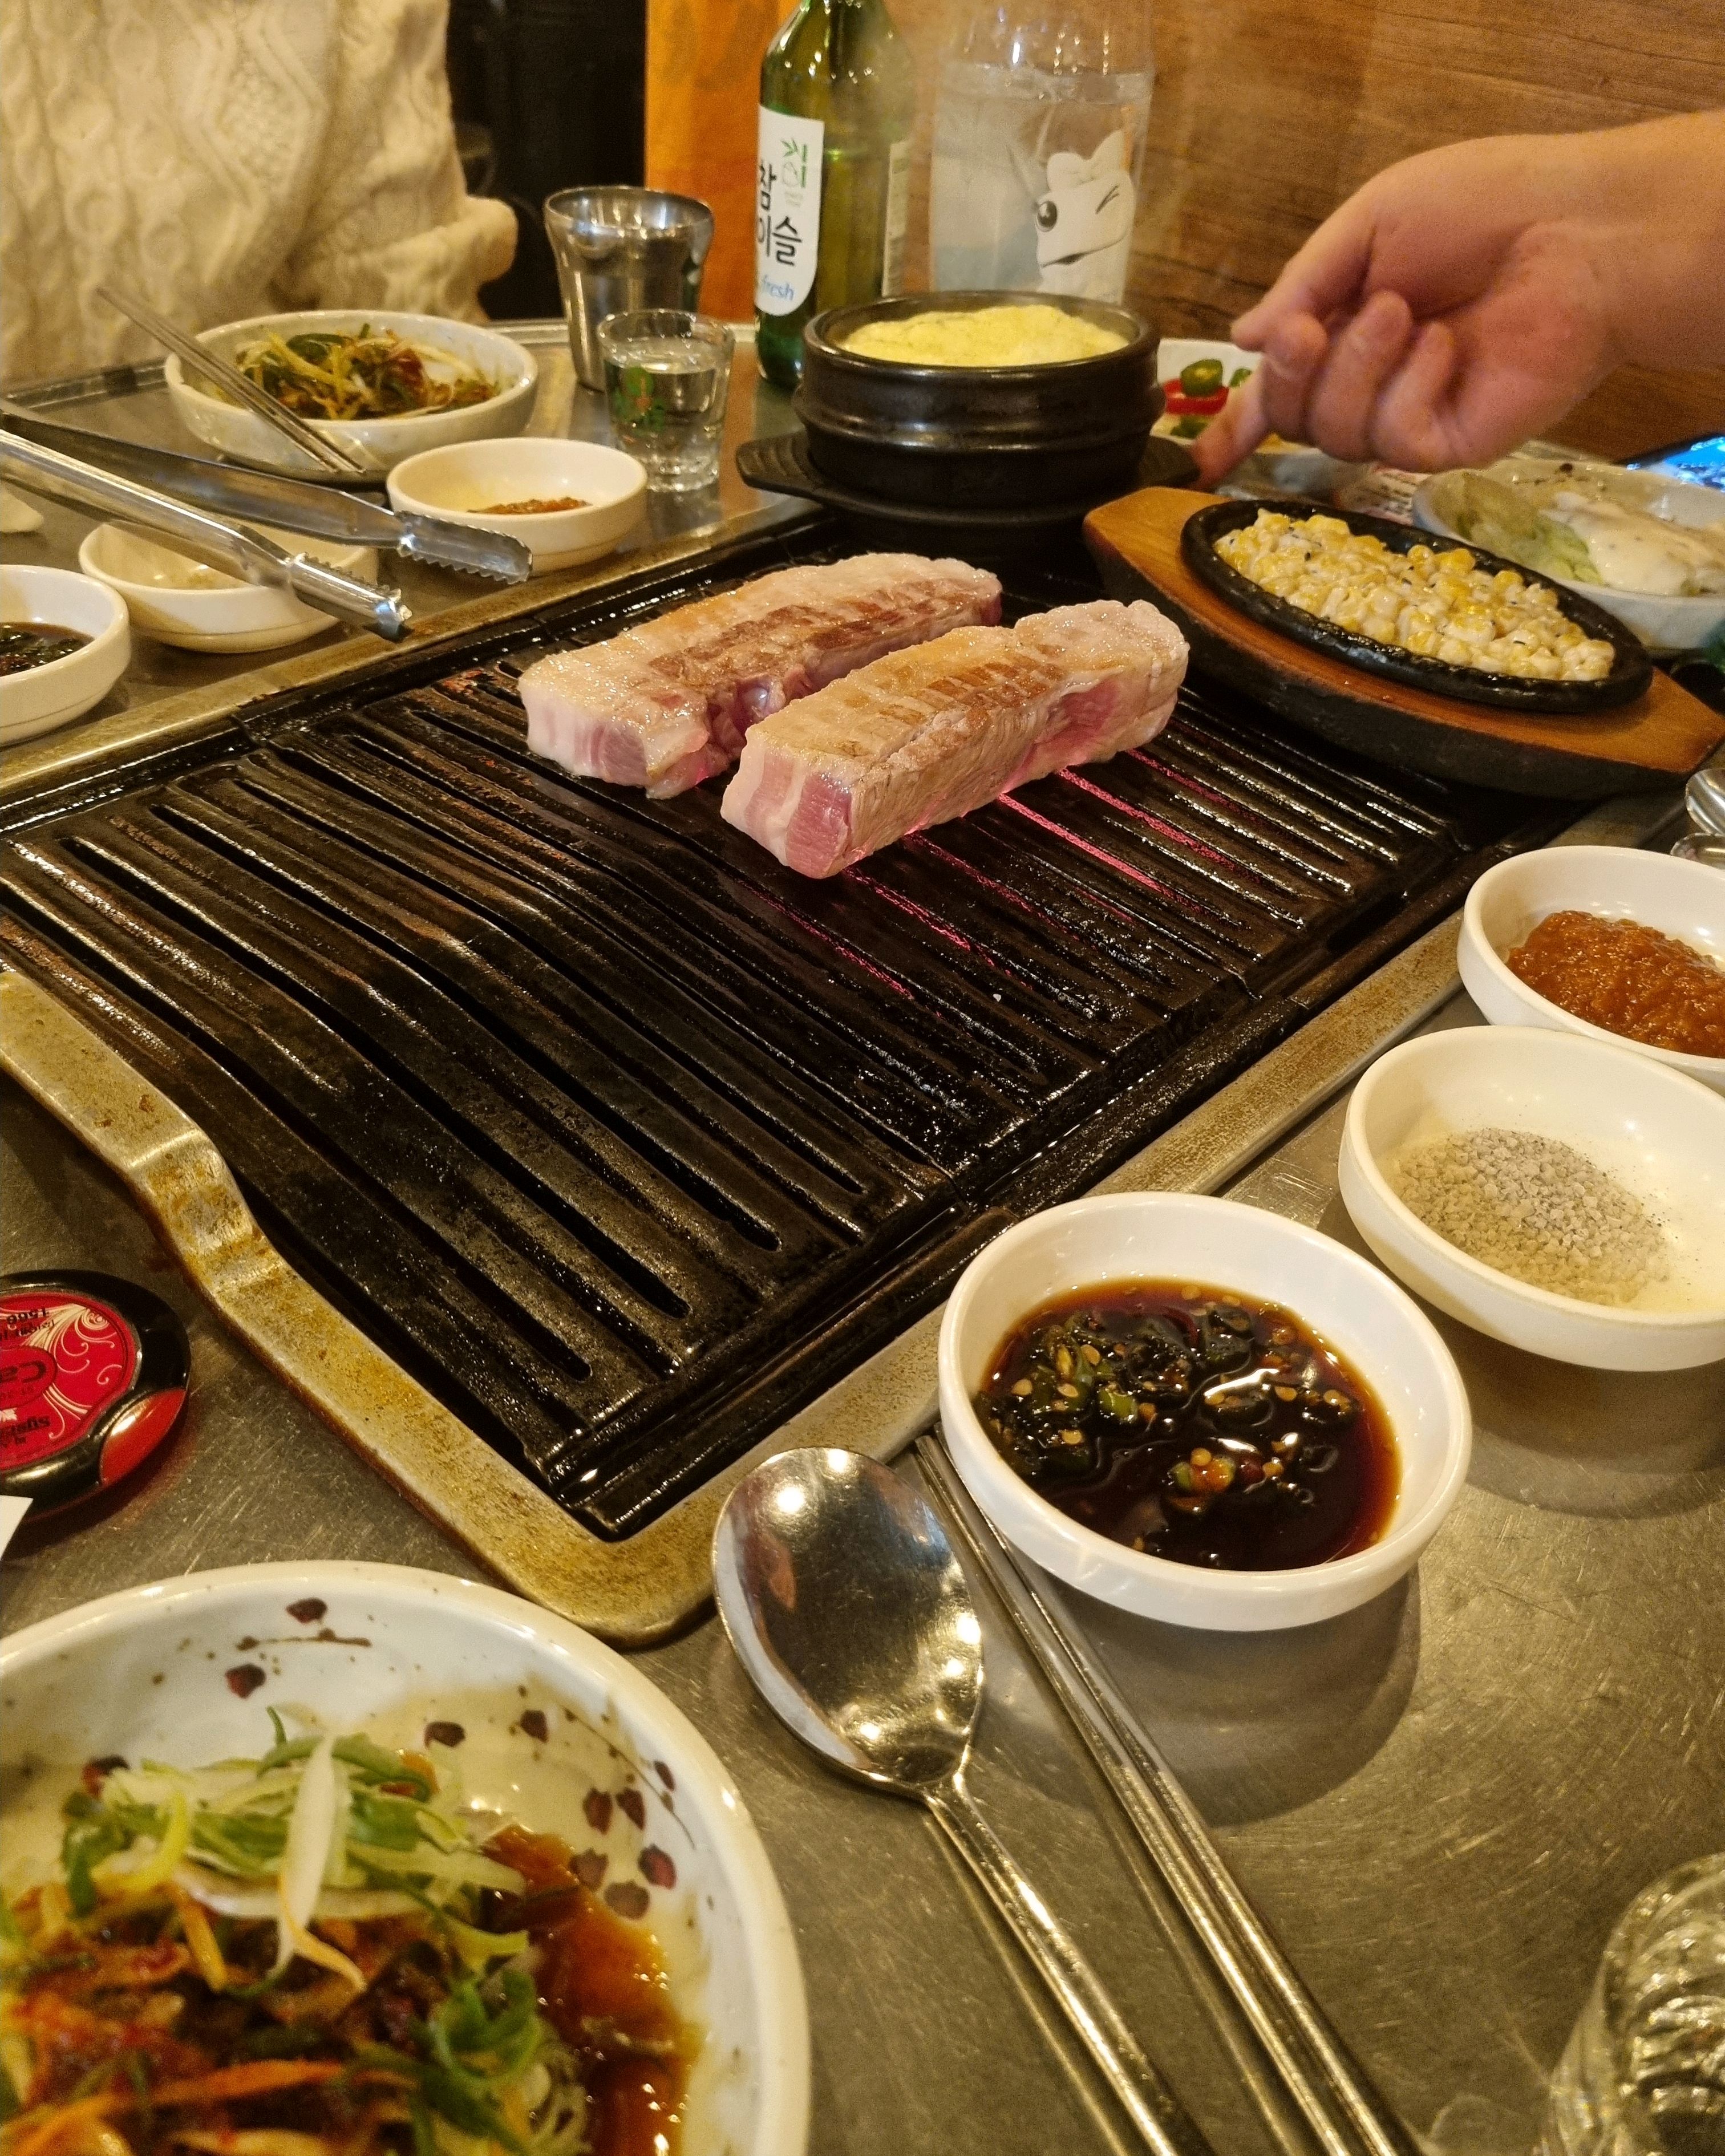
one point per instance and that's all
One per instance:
(1631, 670)
(1050, 404)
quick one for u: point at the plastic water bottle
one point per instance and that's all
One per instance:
(1040, 126)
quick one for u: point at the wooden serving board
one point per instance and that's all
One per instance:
(1656, 741)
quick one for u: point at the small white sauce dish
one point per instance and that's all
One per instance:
(387, 1650)
(1658, 1133)
(43, 697)
(1216, 1243)
(1662, 623)
(463, 482)
(242, 434)
(17, 514)
(183, 602)
(1683, 899)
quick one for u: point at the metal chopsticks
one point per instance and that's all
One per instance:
(214, 368)
(1331, 2092)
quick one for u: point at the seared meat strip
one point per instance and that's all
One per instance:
(930, 733)
(667, 704)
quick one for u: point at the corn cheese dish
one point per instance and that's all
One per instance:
(1437, 605)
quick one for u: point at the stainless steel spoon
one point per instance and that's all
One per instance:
(1704, 797)
(845, 1603)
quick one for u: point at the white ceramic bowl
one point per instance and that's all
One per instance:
(1684, 899)
(1349, 1304)
(382, 443)
(1659, 1134)
(46, 696)
(1663, 624)
(142, 1674)
(181, 601)
(461, 483)
(17, 514)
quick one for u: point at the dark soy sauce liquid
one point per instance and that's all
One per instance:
(27, 644)
(1194, 1424)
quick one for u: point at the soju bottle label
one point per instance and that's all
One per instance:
(898, 218)
(787, 210)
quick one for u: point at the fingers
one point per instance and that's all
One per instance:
(1235, 432)
(1412, 425)
(1294, 355)
(1324, 278)
(1273, 400)
(1340, 404)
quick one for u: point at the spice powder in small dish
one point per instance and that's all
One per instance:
(1626, 979)
(536, 507)
(1535, 1208)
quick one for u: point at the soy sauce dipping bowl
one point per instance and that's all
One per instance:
(1212, 1242)
(1066, 431)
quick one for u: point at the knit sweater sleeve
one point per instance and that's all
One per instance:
(390, 222)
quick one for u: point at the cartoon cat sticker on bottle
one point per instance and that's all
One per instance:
(1084, 223)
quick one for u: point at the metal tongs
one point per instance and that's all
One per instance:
(291, 505)
(245, 553)
(238, 387)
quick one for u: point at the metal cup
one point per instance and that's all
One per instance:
(620, 249)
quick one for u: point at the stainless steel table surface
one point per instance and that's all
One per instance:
(1442, 1801)
(131, 403)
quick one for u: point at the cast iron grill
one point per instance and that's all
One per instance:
(621, 1137)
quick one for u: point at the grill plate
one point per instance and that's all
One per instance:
(624, 1140)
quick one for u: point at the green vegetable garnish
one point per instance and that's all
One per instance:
(1202, 378)
(1488, 514)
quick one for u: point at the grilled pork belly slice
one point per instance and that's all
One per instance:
(667, 704)
(933, 732)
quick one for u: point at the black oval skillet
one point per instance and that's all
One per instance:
(1632, 670)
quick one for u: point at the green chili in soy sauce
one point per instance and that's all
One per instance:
(27, 644)
(1194, 1424)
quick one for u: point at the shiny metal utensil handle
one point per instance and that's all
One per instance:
(1334, 2095)
(1152, 2105)
(314, 508)
(248, 554)
(214, 368)
(1704, 797)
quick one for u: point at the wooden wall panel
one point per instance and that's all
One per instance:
(1270, 112)
(1267, 114)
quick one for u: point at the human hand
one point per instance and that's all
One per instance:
(1466, 298)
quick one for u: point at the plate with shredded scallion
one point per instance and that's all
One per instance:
(303, 1859)
(381, 384)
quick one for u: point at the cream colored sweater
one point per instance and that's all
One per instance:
(226, 158)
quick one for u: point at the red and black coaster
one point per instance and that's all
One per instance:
(93, 1375)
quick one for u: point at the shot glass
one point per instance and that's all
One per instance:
(1645, 2072)
(620, 248)
(667, 376)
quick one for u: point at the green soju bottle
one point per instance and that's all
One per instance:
(832, 192)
